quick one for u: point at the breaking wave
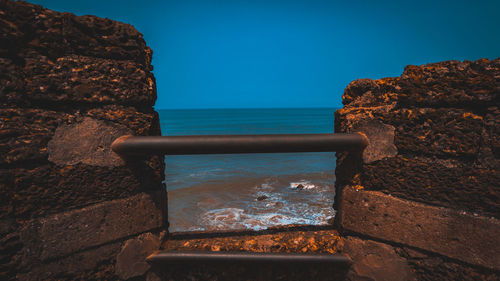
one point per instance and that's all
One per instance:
(254, 204)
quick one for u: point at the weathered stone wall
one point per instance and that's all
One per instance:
(420, 203)
(428, 184)
(69, 86)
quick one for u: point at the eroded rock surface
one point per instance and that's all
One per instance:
(131, 261)
(88, 142)
(446, 133)
(69, 86)
(438, 191)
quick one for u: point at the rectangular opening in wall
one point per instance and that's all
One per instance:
(223, 192)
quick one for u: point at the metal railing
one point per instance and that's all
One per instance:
(230, 144)
(133, 146)
(242, 257)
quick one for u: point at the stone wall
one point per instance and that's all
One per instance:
(421, 202)
(428, 184)
(69, 86)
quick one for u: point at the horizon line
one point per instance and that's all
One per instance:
(204, 108)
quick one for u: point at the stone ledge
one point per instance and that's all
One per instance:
(290, 241)
(469, 238)
(69, 232)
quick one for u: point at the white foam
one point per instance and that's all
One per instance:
(204, 173)
(266, 186)
(234, 218)
(305, 184)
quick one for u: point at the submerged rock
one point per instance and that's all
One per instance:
(263, 197)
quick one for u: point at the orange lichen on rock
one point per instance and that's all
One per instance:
(358, 187)
(320, 241)
(472, 115)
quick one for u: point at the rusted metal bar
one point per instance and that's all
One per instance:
(230, 144)
(225, 257)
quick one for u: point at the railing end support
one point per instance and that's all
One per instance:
(366, 141)
(117, 144)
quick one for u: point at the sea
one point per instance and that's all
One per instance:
(221, 192)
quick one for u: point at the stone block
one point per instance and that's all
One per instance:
(94, 264)
(370, 93)
(11, 79)
(458, 235)
(380, 140)
(28, 26)
(131, 261)
(428, 266)
(66, 233)
(442, 132)
(47, 189)
(374, 261)
(78, 167)
(81, 79)
(446, 183)
(79, 143)
(463, 84)
(26, 132)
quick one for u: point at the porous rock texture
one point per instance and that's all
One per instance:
(446, 121)
(301, 241)
(434, 197)
(69, 86)
(73, 210)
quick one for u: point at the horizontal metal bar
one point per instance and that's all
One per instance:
(230, 144)
(224, 257)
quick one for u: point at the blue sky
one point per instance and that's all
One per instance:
(255, 53)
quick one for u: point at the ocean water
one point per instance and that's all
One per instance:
(248, 191)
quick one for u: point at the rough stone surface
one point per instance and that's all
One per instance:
(28, 28)
(372, 260)
(380, 140)
(153, 276)
(445, 132)
(47, 189)
(131, 261)
(435, 181)
(375, 261)
(461, 236)
(10, 246)
(79, 143)
(93, 264)
(280, 241)
(25, 132)
(446, 121)
(69, 85)
(81, 79)
(58, 70)
(443, 84)
(431, 267)
(66, 233)
(320, 241)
